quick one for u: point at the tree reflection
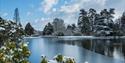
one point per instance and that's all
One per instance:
(105, 47)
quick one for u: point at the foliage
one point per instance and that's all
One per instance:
(92, 16)
(58, 59)
(100, 24)
(83, 22)
(44, 60)
(60, 34)
(69, 60)
(29, 30)
(48, 30)
(104, 23)
(73, 26)
(89, 23)
(77, 34)
(13, 50)
(58, 25)
(10, 30)
(69, 30)
(122, 20)
(70, 27)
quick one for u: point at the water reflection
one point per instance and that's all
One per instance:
(83, 50)
(109, 47)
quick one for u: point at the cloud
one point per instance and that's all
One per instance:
(70, 8)
(74, 6)
(42, 22)
(54, 9)
(70, 11)
(71, 18)
(101, 2)
(47, 5)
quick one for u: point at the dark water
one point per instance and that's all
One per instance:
(83, 50)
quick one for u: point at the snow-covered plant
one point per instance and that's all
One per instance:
(10, 30)
(13, 49)
(58, 59)
(11, 52)
(69, 60)
(44, 60)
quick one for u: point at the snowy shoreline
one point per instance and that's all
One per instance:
(80, 37)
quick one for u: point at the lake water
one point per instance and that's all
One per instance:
(83, 50)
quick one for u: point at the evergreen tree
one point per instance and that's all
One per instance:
(29, 30)
(70, 27)
(48, 30)
(83, 22)
(117, 29)
(13, 49)
(123, 22)
(69, 30)
(9, 29)
(104, 22)
(73, 26)
(92, 16)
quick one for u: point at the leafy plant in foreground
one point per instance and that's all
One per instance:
(13, 49)
(58, 59)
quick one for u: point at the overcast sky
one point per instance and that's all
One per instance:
(40, 12)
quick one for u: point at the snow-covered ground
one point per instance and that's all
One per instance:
(87, 37)
(80, 37)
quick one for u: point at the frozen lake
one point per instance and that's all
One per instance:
(83, 50)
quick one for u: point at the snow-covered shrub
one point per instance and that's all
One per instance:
(58, 59)
(13, 49)
(12, 52)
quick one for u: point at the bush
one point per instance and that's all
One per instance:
(59, 59)
(11, 52)
(60, 34)
(44, 60)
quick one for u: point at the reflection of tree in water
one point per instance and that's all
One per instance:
(108, 47)
(123, 49)
(101, 46)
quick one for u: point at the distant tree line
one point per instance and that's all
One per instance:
(89, 23)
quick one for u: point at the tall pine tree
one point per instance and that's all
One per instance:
(84, 23)
(29, 30)
(48, 30)
(104, 22)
